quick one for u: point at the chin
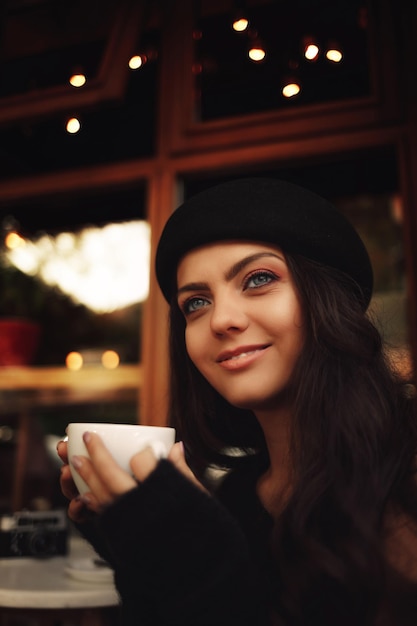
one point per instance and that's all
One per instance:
(248, 404)
(261, 403)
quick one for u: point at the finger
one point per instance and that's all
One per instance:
(101, 472)
(92, 503)
(102, 494)
(68, 487)
(143, 463)
(177, 458)
(62, 450)
(77, 511)
(176, 454)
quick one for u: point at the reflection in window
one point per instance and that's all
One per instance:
(120, 131)
(61, 243)
(104, 269)
(317, 47)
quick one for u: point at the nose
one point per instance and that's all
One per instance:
(227, 316)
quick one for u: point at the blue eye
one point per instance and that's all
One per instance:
(259, 279)
(194, 304)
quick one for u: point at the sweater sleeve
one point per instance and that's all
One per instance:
(180, 558)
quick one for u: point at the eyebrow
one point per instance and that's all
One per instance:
(237, 267)
(231, 273)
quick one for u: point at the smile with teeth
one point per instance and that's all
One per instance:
(241, 355)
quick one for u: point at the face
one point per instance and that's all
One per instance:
(244, 329)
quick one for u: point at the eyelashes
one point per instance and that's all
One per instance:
(259, 278)
(254, 281)
(193, 304)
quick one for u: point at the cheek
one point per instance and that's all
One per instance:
(284, 315)
(193, 344)
(288, 324)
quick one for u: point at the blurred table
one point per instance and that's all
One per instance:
(41, 592)
(24, 388)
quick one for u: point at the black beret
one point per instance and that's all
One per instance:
(268, 210)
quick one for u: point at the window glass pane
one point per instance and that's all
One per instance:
(100, 381)
(84, 259)
(43, 46)
(229, 83)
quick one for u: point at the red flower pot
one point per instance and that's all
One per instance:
(19, 340)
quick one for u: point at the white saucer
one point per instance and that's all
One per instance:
(88, 570)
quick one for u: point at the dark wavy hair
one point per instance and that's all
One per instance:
(353, 444)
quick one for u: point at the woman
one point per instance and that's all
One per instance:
(278, 376)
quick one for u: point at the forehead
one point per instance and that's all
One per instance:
(222, 253)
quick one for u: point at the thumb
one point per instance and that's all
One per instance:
(177, 458)
(177, 455)
(143, 463)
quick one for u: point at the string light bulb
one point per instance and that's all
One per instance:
(240, 22)
(136, 61)
(291, 87)
(257, 51)
(77, 79)
(334, 52)
(311, 49)
(73, 125)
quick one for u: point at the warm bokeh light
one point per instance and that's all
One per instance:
(137, 61)
(311, 52)
(291, 89)
(240, 24)
(110, 359)
(74, 361)
(73, 125)
(257, 53)
(334, 55)
(13, 240)
(197, 68)
(397, 209)
(78, 80)
(103, 268)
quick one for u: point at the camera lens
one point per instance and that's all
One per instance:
(42, 543)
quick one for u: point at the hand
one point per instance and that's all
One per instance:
(107, 481)
(177, 458)
(77, 510)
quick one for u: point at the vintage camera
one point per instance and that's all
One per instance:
(34, 533)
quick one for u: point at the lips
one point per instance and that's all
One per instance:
(239, 353)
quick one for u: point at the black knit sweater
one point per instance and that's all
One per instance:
(180, 558)
(184, 558)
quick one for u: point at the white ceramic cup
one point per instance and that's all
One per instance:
(122, 440)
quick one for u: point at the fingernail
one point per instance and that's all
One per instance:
(77, 462)
(85, 499)
(86, 437)
(181, 447)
